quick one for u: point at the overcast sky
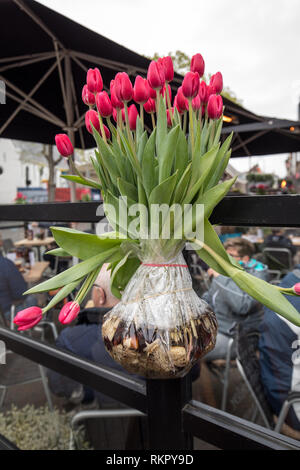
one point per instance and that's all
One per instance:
(254, 44)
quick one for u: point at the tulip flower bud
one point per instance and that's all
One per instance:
(107, 132)
(203, 92)
(167, 64)
(196, 103)
(123, 87)
(141, 90)
(181, 101)
(94, 80)
(28, 318)
(296, 288)
(152, 92)
(156, 75)
(210, 90)
(150, 106)
(64, 145)
(197, 64)
(217, 82)
(132, 116)
(104, 105)
(91, 117)
(163, 92)
(190, 85)
(115, 114)
(87, 97)
(69, 312)
(116, 103)
(215, 106)
(169, 120)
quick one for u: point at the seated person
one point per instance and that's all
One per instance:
(229, 232)
(279, 355)
(12, 286)
(277, 239)
(228, 301)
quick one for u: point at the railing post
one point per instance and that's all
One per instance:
(165, 400)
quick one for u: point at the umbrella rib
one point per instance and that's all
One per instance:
(32, 60)
(76, 109)
(31, 109)
(25, 56)
(247, 141)
(31, 100)
(34, 89)
(37, 20)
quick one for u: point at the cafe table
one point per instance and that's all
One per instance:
(34, 243)
(34, 274)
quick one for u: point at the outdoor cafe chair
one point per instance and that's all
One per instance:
(278, 260)
(248, 366)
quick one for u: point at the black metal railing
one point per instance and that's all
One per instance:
(173, 417)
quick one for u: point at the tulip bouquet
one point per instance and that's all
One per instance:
(159, 188)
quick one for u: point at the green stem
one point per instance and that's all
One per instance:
(89, 281)
(128, 127)
(102, 128)
(169, 103)
(142, 114)
(153, 121)
(184, 122)
(192, 133)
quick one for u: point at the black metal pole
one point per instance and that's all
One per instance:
(165, 400)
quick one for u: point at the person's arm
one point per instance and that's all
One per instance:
(238, 301)
(16, 283)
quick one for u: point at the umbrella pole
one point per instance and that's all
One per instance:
(70, 116)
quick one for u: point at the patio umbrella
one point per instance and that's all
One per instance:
(43, 63)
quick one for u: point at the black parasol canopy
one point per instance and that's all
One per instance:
(44, 59)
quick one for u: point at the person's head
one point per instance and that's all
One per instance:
(101, 293)
(278, 232)
(240, 249)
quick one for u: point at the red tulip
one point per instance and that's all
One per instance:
(64, 145)
(116, 103)
(217, 82)
(156, 75)
(91, 117)
(123, 87)
(196, 103)
(169, 120)
(152, 92)
(203, 92)
(104, 105)
(28, 318)
(215, 106)
(150, 106)
(190, 85)
(132, 116)
(296, 288)
(115, 114)
(210, 90)
(94, 80)
(167, 64)
(107, 132)
(87, 97)
(141, 90)
(197, 64)
(163, 92)
(69, 312)
(181, 101)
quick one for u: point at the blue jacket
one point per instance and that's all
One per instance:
(12, 284)
(279, 355)
(231, 304)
